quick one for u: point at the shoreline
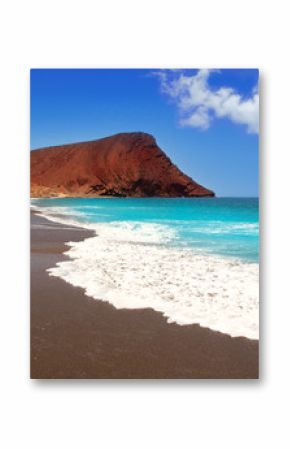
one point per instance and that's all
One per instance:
(74, 336)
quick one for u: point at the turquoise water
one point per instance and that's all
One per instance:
(222, 226)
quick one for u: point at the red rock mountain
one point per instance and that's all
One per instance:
(127, 164)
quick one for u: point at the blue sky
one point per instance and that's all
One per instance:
(206, 121)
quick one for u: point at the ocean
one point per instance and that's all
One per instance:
(195, 260)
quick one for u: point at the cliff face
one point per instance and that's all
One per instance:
(127, 164)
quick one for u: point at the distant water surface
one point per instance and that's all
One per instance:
(225, 226)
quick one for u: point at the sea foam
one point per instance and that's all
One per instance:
(132, 265)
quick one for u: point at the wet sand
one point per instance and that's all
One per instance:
(75, 337)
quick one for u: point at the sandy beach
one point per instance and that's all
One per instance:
(75, 337)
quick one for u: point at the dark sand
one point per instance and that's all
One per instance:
(75, 337)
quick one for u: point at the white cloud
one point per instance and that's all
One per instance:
(199, 104)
